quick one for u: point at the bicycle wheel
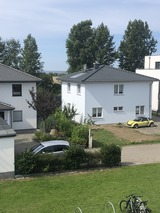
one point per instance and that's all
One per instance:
(124, 206)
(109, 208)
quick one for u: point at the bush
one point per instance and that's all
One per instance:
(62, 124)
(93, 159)
(80, 134)
(111, 155)
(25, 163)
(48, 163)
(75, 156)
(42, 136)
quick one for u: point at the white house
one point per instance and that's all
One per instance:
(152, 69)
(107, 94)
(14, 93)
(7, 160)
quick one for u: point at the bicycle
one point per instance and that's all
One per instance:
(134, 205)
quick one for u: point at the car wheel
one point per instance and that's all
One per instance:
(152, 125)
(136, 126)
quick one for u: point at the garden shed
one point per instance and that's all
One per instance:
(7, 159)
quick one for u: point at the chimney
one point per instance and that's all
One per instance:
(96, 65)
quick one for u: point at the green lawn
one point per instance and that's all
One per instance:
(90, 191)
(102, 136)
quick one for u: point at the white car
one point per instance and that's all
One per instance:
(56, 147)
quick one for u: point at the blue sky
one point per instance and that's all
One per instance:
(50, 21)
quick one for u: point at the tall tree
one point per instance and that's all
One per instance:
(2, 47)
(105, 52)
(11, 53)
(79, 46)
(31, 58)
(138, 42)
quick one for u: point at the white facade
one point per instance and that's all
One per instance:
(7, 167)
(152, 69)
(116, 108)
(28, 118)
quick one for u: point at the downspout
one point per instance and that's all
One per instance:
(150, 100)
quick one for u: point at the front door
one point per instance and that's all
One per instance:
(2, 114)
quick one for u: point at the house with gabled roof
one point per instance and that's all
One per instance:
(107, 95)
(14, 94)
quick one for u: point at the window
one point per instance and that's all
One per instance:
(118, 109)
(78, 89)
(68, 87)
(139, 110)
(96, 112)
(16, 90)
(2, 115)
(17, 116)
(157, 65)
(118, 89)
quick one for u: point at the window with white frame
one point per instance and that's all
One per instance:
(78, 89)
(17, 115)
(16, 90)
(139, 110)
(68, 87)
(118, 89)
(97, 112)
(118, 108)
(157, 65)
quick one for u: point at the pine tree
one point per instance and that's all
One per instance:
(31, 58)
(137, 43)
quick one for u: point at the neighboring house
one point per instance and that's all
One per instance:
(152, 69)
(7, 161)
(14, 93)
(107, 94)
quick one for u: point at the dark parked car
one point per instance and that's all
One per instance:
(56, 147)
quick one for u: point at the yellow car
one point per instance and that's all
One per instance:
(140, 122)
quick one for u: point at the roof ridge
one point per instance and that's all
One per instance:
(20, 71)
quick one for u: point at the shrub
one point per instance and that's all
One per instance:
(93, 159)
(48, 163)
(62, 123)
(25, 163)
(80, 134)
(42, 136)
(111, 155)
(75, 156)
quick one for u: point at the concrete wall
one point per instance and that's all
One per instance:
(7, 168)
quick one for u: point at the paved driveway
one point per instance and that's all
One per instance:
(140, 154)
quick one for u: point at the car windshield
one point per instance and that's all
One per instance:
(37, 148)
(137, 119)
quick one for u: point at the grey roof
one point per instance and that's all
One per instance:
(5, 129)
(9, 74)
(5, 106)
(105, 73)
